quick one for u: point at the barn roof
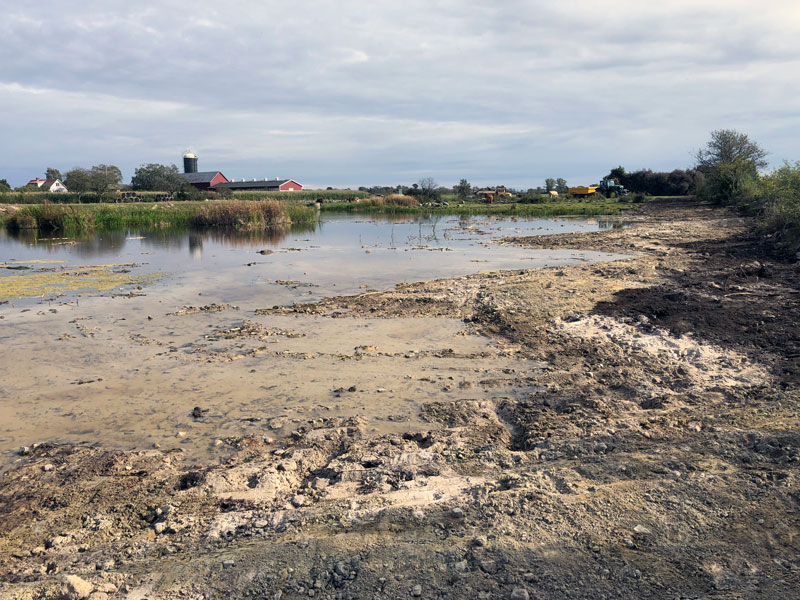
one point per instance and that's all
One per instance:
(201, 177)
(268, 184)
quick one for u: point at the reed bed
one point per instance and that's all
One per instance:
(77, 218)
(546, 209)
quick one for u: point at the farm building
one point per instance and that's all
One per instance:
(270, 185)
(48, 185)
(205, 180)
(214, 180)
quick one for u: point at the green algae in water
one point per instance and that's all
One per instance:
(97, 278)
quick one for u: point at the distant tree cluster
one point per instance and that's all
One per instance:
(680, 182)
(153, 177)
(100, 179)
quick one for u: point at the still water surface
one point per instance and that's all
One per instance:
(341, 254)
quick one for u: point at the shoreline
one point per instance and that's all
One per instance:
(654, 450)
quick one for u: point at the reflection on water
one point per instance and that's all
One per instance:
(340, 254)
(93, 244)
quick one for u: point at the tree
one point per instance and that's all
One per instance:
(730, 162)
(78, 180)
(105, 178)
(4, 186)
(52, 173)
(428, 188)
(617, 174)
(157, 178)
(463, 190)
(561, 186)
(549, 184)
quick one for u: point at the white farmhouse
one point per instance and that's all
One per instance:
(49, 185)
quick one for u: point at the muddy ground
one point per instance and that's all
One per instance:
(656, 455)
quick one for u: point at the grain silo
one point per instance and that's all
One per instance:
(189, 162)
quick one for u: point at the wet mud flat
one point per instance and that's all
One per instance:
(631, 429)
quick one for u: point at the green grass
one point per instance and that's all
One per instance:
(544, 209)
(303, 196)
(79, 218)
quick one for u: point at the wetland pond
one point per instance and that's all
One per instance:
(103, 339)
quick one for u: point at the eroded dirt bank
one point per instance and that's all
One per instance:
(656, 455)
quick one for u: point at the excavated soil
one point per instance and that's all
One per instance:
(654, 453)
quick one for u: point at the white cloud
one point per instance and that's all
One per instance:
(364, 93)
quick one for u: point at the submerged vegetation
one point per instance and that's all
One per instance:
(78, 218)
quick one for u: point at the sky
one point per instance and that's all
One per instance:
(351, 93)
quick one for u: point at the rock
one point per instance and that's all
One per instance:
(480, 541)
(461, 566)
(416, 591)
(298, 501)
(76, 588)
(519, 594)
(105, 565)
(320, 483)
(227, 564)
(159, 528)
(98, 596)
(457, 513)
(642, 530)
(48, 467)
(24, 450)
(488, 566)
(107, 587)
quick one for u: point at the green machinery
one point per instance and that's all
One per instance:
(610, 188)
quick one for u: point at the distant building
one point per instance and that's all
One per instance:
(214, 180)
(269, 185)
(48, 185)
(205, 180)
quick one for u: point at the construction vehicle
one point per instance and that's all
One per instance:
(608, 188)
(499, 192)
(583, 191)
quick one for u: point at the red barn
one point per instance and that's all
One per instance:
(205, 180)
(268, 185)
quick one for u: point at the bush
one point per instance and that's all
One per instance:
(779, 200)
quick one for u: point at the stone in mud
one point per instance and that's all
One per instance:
(75, 588)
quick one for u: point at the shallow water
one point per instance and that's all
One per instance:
(127, 371)
(342, 254)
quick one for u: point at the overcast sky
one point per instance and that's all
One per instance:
(385, 92)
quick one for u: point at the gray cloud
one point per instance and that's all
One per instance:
(346, 92)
